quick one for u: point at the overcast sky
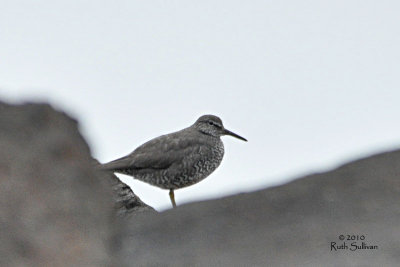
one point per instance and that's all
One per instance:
(310, 84)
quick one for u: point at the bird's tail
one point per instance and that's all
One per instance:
(115, 165)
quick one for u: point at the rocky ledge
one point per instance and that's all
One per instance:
(57, 209)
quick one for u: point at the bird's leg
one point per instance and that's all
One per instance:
(172, 197)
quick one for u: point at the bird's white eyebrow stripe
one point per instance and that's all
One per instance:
(216, 123)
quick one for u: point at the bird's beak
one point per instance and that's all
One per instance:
(227, 132)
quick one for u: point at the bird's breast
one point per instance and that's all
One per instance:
(207, 159)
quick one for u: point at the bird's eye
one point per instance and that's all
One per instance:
(210, 123)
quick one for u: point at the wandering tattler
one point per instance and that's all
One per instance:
(178, 159)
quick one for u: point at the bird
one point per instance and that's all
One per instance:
(178, 159)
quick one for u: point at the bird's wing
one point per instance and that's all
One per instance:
(158, 153)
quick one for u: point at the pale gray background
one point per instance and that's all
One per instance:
(311, 84)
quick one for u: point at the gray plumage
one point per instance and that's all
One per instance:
(178, 159)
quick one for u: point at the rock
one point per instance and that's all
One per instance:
(54, 211)
(289, 225)
(126, 202)
(57, 208)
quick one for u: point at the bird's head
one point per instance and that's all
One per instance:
(212, 125)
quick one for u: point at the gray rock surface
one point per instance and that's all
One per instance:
(56, 209)
(126, 202)
(289, 225)
(47, 187)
